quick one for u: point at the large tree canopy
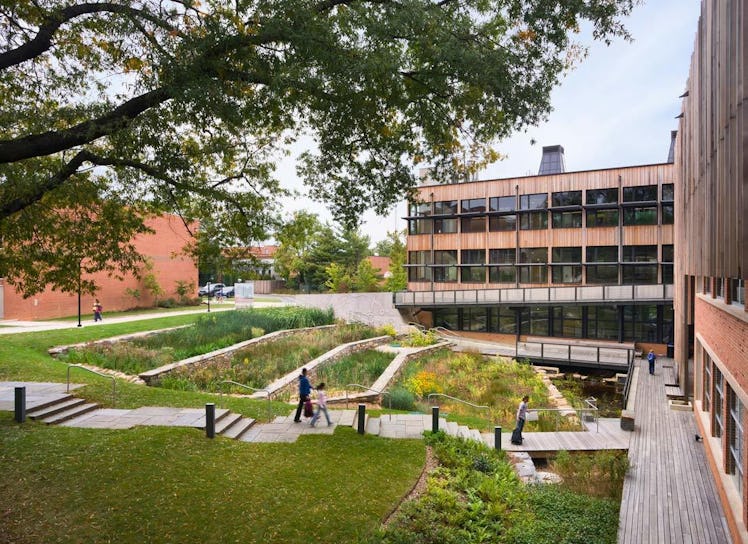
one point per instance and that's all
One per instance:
(171, 105)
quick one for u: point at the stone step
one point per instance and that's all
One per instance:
(354, 423)
(51, 401)
(451, 428)
(238, 428)
(373, 426)
(475, 435)
(463, 431)
(51, 409)
(70, 413)
(226, 421)
(347, 417)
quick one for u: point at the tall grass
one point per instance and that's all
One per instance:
(259, 365)
(363, 367)
(209, 333)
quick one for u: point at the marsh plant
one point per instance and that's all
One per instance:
(362, 367)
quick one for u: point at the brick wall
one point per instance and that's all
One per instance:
(726, 335)
(162, 248)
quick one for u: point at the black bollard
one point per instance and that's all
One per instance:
(361, 418)
(210, 420)
(21, 404)
(434, 419)
(497, 438)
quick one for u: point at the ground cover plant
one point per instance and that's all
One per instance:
(209, 333)
(166, 485)
(495, 382)
(362, 367)
(258, 365)
(474, 496)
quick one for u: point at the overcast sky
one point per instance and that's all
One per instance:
(616, 108)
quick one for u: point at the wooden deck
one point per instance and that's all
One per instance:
(669, 496)
(607, 435)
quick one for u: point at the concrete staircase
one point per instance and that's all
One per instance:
(60, 409)
(413, 426)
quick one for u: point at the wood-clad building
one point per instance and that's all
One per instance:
(711, 226)
(577, 255)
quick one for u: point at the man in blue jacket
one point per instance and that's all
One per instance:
(305, 389)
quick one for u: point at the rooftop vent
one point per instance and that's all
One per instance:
(671, 153)
(552, 161)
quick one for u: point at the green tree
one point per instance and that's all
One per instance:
(365, 280)
(338, 279)
(398, 279)
(297, 238)
(176, 105)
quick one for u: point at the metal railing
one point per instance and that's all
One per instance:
(445, 331)
(608, 355)
(479, 406)
(629, 376)
(583, 414)
(114, 382)
(383, 392)
(253, 389)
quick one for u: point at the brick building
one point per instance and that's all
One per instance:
(162, 248)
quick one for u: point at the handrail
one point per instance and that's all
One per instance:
(114, 382)
(629, 376)
(383, 392)
(458, 400)
(578, 411)
(444, 330)
(592, 403)
(232, 382)
(416, 325)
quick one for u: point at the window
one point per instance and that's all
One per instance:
(503, 320)
(533, 202)
(717, 395)
(640, 323)
(644, 193)
(473, 274)
(445, 269)
(445, 226)
(640, 216)
(667, 267)
(473, 224)
(418, 257)
(474, 319)
(473, 256)
(497, 223)
(502, 274)
(419, 226)
(707, 382)
(445, 207)
(445, 274)
(667, 253)
(534, 320)
(446, 257)
(567, 321)
(533, 255)
(668, 214)
(566, 220)
(447, 318)
(602, 218)
(602, 322)
(735, 439)
(419, 208)
(533, 221)
(566, 255)
(639, 274)
(473, 205)
(567, 198)
(501, 256)
(602, 254)
(639, 254)
(502, 203)
(737, 291)
(668, 192)
(533, 274)
(418, 269)
(602, 196)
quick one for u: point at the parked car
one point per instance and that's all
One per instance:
(214, 287)
(228, 291)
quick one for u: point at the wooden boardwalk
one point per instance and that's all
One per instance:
(606, 435)
(669, 496)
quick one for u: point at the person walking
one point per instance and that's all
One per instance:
(651, 358)
(97, 310)
(521, 417)
(321, 405)
(305, 389)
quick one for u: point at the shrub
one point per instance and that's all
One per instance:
(420, 339)
(401, 399)
(387, 330)
(167, 303)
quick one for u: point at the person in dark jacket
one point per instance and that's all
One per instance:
(305, 389)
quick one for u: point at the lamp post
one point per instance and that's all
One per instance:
(79, 294)
(209, 282)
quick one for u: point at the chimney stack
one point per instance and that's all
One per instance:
(552, 161)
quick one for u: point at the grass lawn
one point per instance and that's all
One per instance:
(155, 485)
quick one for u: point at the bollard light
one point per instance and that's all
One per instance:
(434, 419)
(361, 418)
(497, 437)
(21, 404)
(210, 420)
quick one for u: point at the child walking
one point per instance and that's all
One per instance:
(321, 405)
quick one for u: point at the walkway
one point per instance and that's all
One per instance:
(669, 496)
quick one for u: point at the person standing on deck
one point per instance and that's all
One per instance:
(651, 358)
(522, 416)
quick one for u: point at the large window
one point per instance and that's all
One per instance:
(567, 321)
(502, 256)
(667, 264)
(639, 254)
(534, 321)
(566, 220)
(602, 196)
(717, 396)
(668, 192)
(640, 215)
(419, 226)
(502, 204)
(447, 257)
(533, 221)
(419, 208)
(418, 269)
(640, 323)
(565, 272)
(445, 266)
(502, 274)
(602, 254)
(635, 273)
(497, 223)
(602, 322)
(475, 319)
(567, 198)
(473, 274)
(473, 205)
(602, 218)
(473, 224)
(644, 193)
(445, 207)
(533, 202)
(537, 257)
(735, 439)
(473, 256)
(668, 214)
(445, 226)
(503, 320)
(447, 318)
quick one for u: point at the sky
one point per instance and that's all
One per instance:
(616, 108)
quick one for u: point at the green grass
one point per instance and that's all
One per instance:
(173, 485)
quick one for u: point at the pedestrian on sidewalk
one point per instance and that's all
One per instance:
(305, 389)
(521, 417)
(651, 358)
(97, 310)
(321, 405)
